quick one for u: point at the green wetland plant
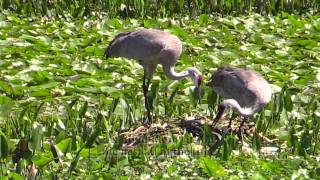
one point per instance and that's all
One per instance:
(155, 8)
(67, 112)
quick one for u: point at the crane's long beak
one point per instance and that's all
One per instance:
(199, 88)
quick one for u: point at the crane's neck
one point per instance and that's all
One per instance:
(172, 74)
(231, 103)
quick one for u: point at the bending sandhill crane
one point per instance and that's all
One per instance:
(245, 91)
(152, 47)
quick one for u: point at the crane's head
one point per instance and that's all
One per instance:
(196, 76)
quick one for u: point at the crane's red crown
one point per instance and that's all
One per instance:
(200, 79)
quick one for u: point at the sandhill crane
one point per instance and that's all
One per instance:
(245, 91)
(152, 47)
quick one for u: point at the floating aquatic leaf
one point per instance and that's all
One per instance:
(212, 167)
(128, 79)
(64, 145)
(6, 104)
(227, 53)
(309, 44)
(281, 52)
(42, 159)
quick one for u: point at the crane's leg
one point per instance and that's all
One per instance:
(229, 125)
(240, 132)
(221, 109)
(233, 116)
(145, 87)
(150, 117)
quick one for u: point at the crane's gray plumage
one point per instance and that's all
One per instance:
(108, 51)
(152, 47)
(245, 90)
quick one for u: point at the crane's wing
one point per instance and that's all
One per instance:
(256, 84)
(227, 82)
(140, 44)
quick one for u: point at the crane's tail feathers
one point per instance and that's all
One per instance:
(106, 54)
(108, 51)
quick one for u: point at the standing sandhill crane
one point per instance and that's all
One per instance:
(152, 47)
(245, 91)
